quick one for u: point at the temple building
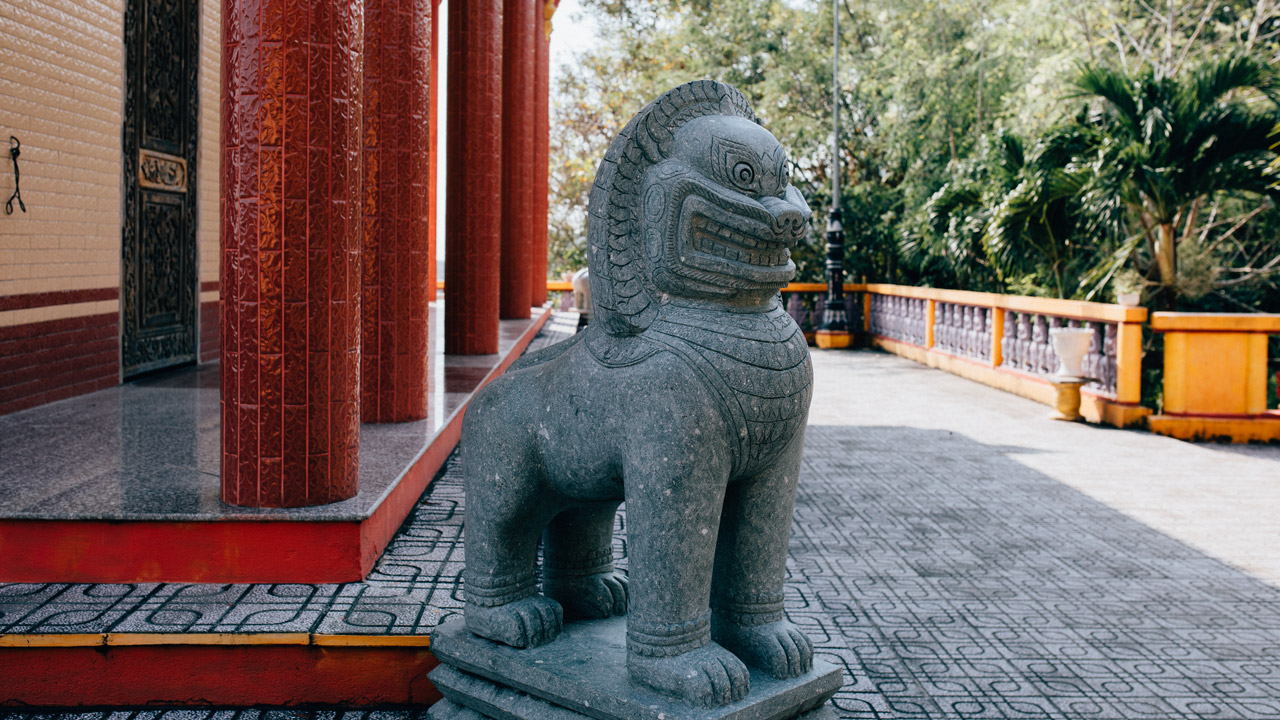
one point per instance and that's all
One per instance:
(254, 183)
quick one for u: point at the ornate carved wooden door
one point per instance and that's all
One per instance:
(158, 327)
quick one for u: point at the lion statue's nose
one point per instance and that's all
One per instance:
(788, 219)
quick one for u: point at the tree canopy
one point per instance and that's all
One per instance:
(1033, 146)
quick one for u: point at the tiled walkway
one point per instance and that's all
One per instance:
(959, 554)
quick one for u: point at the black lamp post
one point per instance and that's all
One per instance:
(834, 331)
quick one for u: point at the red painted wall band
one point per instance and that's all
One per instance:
(232, 675)
(210, 331)
(57, 359)
(143, 551)
(57, 297)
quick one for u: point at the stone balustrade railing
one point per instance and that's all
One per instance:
(1003, 340)
(1215, 365)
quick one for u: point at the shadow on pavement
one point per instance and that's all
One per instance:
(952, 581)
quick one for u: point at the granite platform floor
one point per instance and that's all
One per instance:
(959, 554)
(150, 449)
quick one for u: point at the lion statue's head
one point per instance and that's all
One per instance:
(693, 200)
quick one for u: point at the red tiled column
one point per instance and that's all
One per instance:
(519, 86)
(542, 133)
(393, 362)
(433, 157)
(473, 203)
(290, 250)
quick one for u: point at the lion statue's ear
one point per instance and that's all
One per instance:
(624, 299)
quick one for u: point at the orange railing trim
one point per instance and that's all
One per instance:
(1215, 322)
(1077, 309)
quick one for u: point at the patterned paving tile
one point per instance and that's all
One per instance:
(948, 579)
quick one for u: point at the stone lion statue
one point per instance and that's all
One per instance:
(686, 397)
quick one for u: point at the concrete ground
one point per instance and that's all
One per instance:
(1221, 499)
(961, 555)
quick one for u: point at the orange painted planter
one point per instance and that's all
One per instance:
(1215, 376)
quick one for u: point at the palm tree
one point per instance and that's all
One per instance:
(947, 233)
(1163, 146)
(1034, 219)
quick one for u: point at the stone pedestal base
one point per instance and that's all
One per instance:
(1067, 396)
(583, 674)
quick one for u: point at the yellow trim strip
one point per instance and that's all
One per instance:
(77, 640)
(50, 640)
(1215, 322)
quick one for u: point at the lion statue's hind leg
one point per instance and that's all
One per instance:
(578, 563)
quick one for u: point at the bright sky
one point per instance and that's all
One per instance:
(572, 31)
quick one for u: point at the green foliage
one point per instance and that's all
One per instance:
(1162, 153)
(1003, 145)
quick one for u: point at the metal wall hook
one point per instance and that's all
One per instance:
(15, 149)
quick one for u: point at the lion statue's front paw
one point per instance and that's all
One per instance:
(778, 648)
(589, 597)
(707, 677)
(528, 622)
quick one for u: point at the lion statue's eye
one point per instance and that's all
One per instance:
(744, 174)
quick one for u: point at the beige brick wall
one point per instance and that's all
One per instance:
(210, 79)
(61, 77)
(61, 65)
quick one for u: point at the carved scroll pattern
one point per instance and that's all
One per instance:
(1027, 347)
(163, 69)
(963, 330)
(162, 261)
(898, 318)
(162, 172)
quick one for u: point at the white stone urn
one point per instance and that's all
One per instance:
(1071, 344)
